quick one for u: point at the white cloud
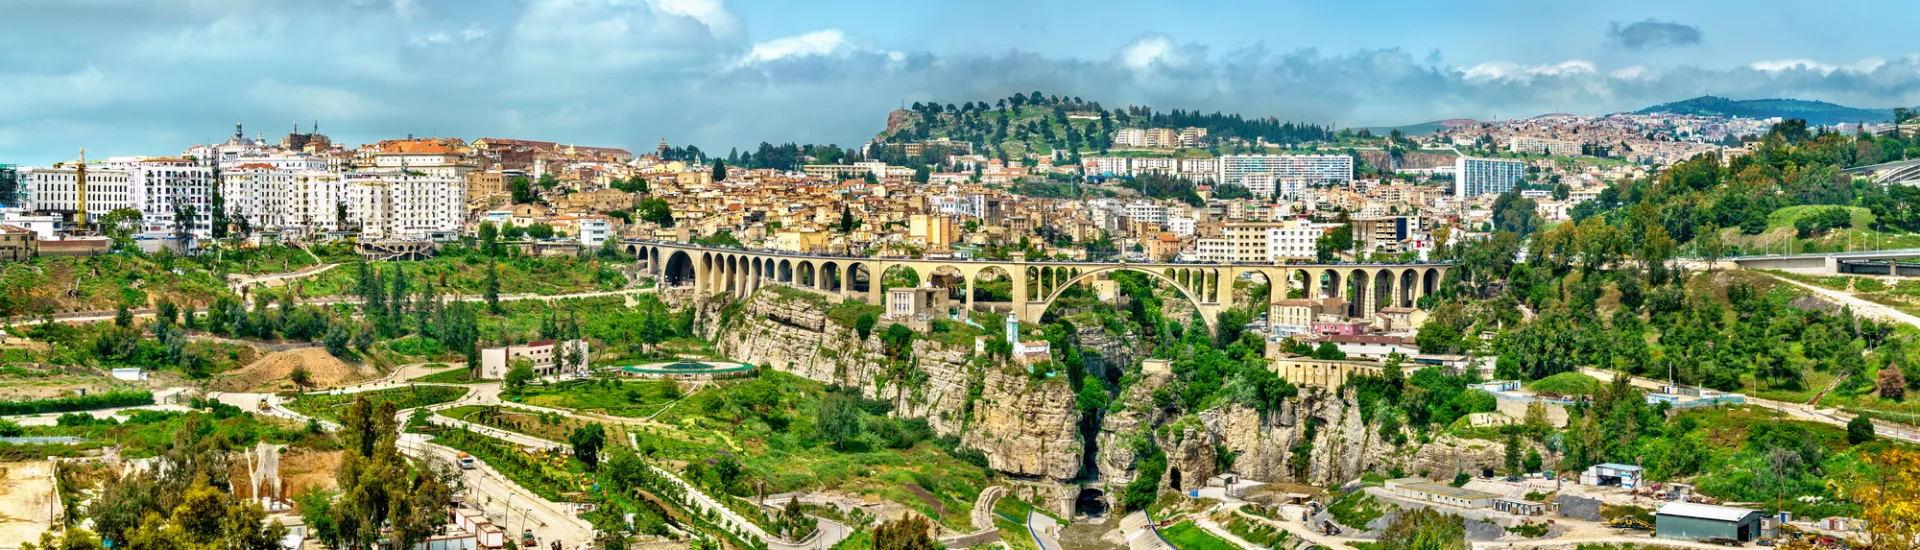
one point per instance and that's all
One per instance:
(1159, 51)
(1630, 72)
(1864, 65)
(24, 95)
(711, 13)
(821, 42)
(1507, 70)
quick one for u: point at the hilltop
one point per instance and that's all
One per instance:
(1814, 112)
(1034, 123)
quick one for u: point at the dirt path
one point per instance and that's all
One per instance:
(1859, 306)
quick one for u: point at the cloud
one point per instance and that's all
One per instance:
(1651, 34)
(822, 42)
(149, 80)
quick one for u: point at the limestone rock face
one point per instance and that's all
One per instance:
(794, 336)
(1026, 428)
(1114, 453)
(1449, 455)
(1341, 446)
(1190, 459)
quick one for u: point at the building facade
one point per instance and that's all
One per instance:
(1475, 177)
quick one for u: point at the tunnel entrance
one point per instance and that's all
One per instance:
(1091, 503)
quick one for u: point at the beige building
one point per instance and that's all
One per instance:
(937, 232)
(545, 354)
(17, 244)
(1301, 370)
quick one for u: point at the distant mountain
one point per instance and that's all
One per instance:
(1423, 128)
(1819, 113)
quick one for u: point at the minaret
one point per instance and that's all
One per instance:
(238, 135)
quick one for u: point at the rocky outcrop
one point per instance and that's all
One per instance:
(792, 334)
(1341, 446)
(1025, 427)
(1449, 455)
(1115, 454)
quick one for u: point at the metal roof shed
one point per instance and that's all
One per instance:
(1685, 520)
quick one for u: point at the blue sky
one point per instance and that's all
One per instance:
(143, 77)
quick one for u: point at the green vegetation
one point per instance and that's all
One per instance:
(1568, 383)
(1356, 509)
(329, 406)
(78, 403)
(607, 396)
(737, 435)
(1187, 536)
(1819, 113)
(454, 375)
(1256, 531)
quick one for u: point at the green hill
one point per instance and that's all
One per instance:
(1818, 113)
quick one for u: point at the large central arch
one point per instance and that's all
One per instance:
(1185, 292)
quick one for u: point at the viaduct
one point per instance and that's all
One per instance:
(1035, 284)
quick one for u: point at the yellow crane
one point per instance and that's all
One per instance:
(79, 187)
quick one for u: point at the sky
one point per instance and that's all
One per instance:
(130, 77)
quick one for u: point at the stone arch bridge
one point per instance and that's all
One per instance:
(1035, 285)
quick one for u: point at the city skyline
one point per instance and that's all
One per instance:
(124, 77)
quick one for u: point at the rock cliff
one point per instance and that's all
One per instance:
(1025, 427)
(1340, 448)
(795, 336)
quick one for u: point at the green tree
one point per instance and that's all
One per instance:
(657, 211)
(489, 238)
(380, 495)
(838, 419)
(908, 533)
(587, 441)
(846, 218)
(519, 373)
(719, 170)
(1860, 430)
(522, 191)
(863, 325)
(122, 317)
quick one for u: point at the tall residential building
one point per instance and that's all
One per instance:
(256, 193)
(1271, 242)
(1258, 172)
(404, 204)
(56, 190)
(157, 186)
(1474, 177)
(1543, 146)
(1130, 137)
(1387, 234)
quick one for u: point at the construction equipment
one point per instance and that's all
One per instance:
(1630, 523)
(264, 405)
(527, 540)
(79, 187)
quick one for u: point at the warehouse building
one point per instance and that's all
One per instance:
(1439, 493)
(1686, 520)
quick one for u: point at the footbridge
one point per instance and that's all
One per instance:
(1874, 262)
(1034, 284)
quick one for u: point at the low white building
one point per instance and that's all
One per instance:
(545, 354)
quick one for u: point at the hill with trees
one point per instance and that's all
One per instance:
(1818, 113)
(1035, 123)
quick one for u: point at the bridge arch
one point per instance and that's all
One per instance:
(1185, 292)
(679, 269)
(784, 273)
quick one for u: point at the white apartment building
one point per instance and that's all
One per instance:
(1260, 171)
(44, 227)
(1130, 137)
(1145, 212)
(1474, 177)
(1181, 225)
(314, 202)
(1205, 169)
(1543, 146)
(156, 185)
(292, 161)
(292, 201)
(56, 190)
(1272, 242)
(405, 204)
(1213, 250)
(595, 230)
(256, 193)
(435, 163)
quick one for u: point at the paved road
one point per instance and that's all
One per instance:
(507, 503)
(161, 402)
(1044, 529)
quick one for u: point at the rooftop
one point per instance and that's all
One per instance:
(1705, 511)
